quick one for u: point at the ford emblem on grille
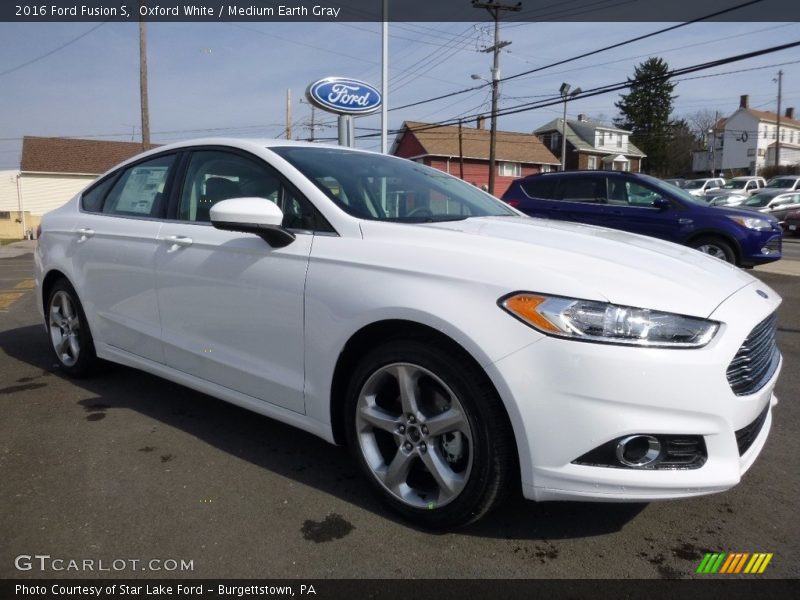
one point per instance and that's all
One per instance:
(762, 293)
(344, 96)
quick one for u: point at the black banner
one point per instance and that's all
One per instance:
(401, 10)
(706, 588)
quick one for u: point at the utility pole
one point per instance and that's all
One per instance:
(778, 123)
(460, 152)
(288, 113)
(143, 81)
(495, 8)
(385, 79)
(713, 133)
(313, 125)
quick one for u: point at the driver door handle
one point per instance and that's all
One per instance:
(84, 233)
(178, 241)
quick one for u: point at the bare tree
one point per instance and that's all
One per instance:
(701, 122)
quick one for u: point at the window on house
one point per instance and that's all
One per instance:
(509, 169)
(554, 141)
(619, 141)
(591, 163)
(601, 138)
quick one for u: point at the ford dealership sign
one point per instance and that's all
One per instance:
(344, 96)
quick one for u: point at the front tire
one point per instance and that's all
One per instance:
(70, 337)
(429, 433)
(715, 247)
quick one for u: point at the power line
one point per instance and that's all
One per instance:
(53, 51)
(585, 54)
(621, 85)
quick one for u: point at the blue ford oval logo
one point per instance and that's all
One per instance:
(344, 96)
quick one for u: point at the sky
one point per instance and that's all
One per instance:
(231, 79)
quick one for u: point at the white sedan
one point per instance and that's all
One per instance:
(456, 346)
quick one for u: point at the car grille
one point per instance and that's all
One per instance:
(774, 245)
(756, 360)
(747, 435)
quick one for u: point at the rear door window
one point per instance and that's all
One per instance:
(139, 190)
(539, 187)
(92, 199)
(582, 189)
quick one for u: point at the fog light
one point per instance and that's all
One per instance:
(638, 450)
(648, 451)
(765, 250)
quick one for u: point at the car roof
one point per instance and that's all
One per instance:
(746, 177)
(583, 173)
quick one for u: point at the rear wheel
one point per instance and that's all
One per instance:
(715, 247)
(70, 337)
(429, 433)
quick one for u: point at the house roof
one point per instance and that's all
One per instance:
(787, 145)
(765, 115)
(74, 156)
(511, 146)
(581, 135)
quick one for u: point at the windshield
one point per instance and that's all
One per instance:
(780, 182)
(734, 185)
(694, 184)
(674, 191)
(385, 188)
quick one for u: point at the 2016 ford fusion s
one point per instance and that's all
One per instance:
(456, 346)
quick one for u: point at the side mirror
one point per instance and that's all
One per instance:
(661, 203)
(252, 215)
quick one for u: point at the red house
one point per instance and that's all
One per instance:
(517, 154)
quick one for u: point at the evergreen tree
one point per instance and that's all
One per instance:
(645, 111)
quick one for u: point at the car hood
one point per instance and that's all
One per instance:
(569, 259)
(742, 211)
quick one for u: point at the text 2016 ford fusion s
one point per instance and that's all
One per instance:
(456, 346)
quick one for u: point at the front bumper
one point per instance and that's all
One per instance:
(566, 398)
(762, 249)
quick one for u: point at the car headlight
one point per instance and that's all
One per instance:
(752, 223)
(592, 321)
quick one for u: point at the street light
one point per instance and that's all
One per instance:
(566, 95)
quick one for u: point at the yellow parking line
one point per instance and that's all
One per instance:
(25, 284)
(8, 298)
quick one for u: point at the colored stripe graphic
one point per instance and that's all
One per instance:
(734, 562)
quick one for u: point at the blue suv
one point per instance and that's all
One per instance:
(646, 205)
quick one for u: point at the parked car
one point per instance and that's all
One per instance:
(455, 345)
(738, 187)
(728, 200)
(776, 204)
(700, 187)
(643, 204)
(676, 182)
(789, 183)
(791, 223)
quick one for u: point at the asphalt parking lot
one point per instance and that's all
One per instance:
(127, 467)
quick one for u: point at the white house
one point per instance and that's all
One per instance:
(746, 141)
(52, 170)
